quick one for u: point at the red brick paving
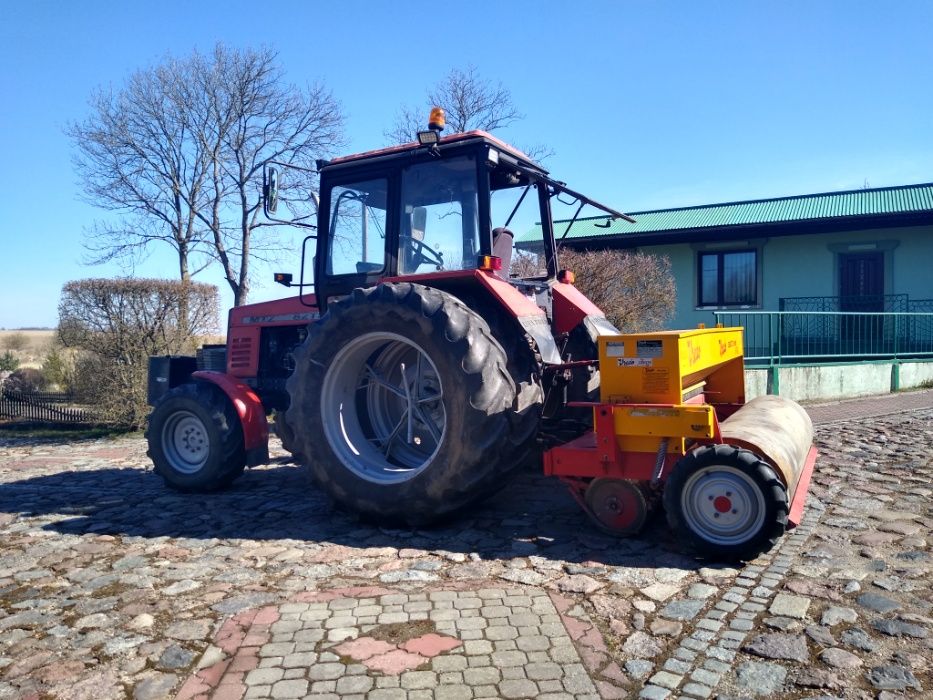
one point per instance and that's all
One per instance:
(870, 406)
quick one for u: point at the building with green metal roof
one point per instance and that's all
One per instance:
(857, 250)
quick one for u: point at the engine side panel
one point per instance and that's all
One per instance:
(244, 329)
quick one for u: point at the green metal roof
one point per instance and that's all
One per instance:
(807, 207)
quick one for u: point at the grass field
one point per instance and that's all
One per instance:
(29, 347)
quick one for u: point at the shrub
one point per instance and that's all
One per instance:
(636, 291)
(8, 362)
(26, 380)
(59, 368)
(117, 324)
(16, 341)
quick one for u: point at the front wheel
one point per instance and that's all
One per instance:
(196, 439)
(726, 503)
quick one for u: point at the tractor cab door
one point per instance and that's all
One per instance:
(355, 224)
(439, 216)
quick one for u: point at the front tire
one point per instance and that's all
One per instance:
(403, 398)
(196, 439)
(726, 503)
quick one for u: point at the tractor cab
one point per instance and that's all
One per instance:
(432, 210)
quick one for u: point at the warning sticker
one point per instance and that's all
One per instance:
(635, 362)
(615, 349)
(655, 380)
(648, 348)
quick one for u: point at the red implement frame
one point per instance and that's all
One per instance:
(800, 495)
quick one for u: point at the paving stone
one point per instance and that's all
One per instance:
(892, 677)
(760, 678)
(697, 690)
(840, 658)
(154, 687)
(779, 646)
(665, 679)
(878, 603)
(518, 689)
(175, 657)
(654, 692)
(682, 609)
(267, 676)
(833, 615)
(659, 591)
(899, 628)
(642, 646)
(638, 668)
(296, 688)
(787, 605)
(858, 639)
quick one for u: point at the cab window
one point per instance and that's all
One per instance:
(357, 228)
(439, 228)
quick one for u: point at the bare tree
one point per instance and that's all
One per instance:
(470, 102)
(135, 156)
(248, 117)
(179, 152)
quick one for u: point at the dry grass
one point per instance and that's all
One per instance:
(29, 347)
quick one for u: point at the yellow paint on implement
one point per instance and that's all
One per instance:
(667, 367)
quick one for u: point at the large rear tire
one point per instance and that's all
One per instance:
(402, 397)
(196, 439)
(726, 503)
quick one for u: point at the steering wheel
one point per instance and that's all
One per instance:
(423, 252)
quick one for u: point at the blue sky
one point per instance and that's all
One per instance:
(646, 104)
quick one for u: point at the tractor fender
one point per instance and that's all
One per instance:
(524, 309)
(529, 315)
(250, 410)
(572, 308)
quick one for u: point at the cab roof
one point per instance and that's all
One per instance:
(451, 140)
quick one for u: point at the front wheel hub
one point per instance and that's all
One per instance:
(185, 442)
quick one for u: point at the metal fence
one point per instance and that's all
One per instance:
(796, 337)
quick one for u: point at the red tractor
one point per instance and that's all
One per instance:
(420, 374)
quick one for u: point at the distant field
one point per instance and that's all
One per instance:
(30, 347)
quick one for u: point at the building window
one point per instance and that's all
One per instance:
(728, 278)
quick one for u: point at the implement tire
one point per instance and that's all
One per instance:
(196, 439)
(726, 503)
(403, 398)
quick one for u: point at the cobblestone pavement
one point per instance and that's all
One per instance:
(113, 587)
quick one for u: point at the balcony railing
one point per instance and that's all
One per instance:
(798, 337)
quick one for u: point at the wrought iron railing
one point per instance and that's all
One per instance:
(890, 303)
(794, 337)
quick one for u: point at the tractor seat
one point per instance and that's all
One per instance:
(502, 249)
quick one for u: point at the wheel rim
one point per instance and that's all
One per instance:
(382, 408)
(185, 442)
(617, 506)
(723, 505)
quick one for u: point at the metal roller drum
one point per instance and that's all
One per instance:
(777, 430)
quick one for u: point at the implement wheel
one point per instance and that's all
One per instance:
(726, 503)
(196, 439)
(617, 506)
(402, 397)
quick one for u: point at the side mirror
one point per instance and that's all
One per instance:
(419, 222)
(270, 190)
